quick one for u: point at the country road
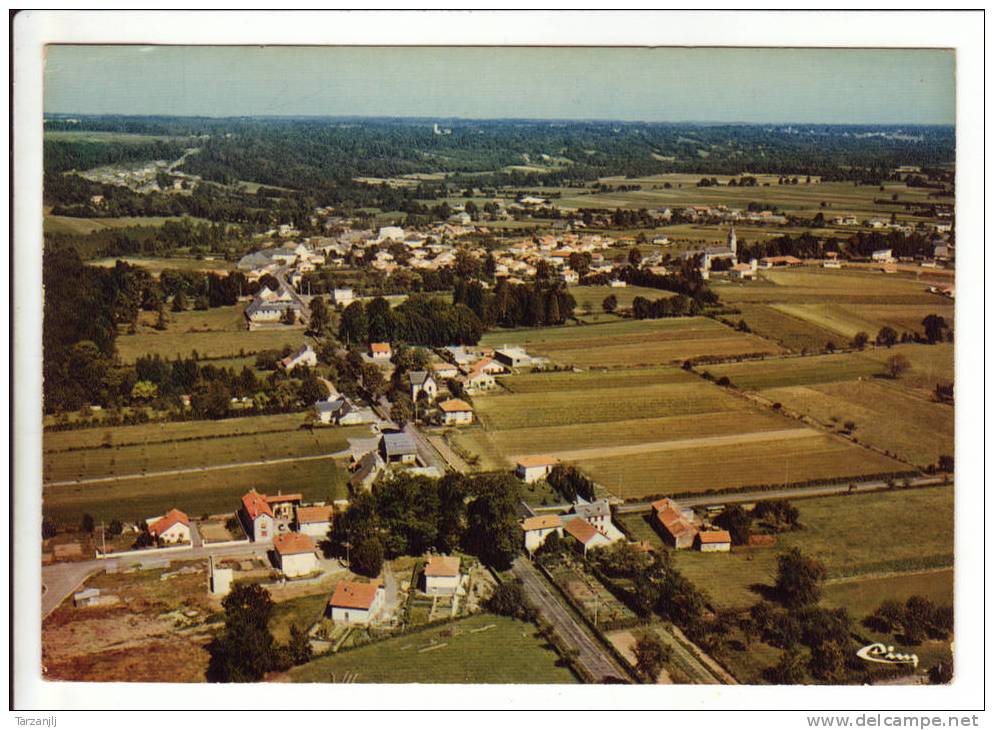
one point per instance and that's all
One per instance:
(195, 469)
(594, 657)
(818, 490)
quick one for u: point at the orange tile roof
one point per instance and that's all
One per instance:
(442, 566)
(255, 504)
(537, 460)
(581, 530)
(715, 537)
(379, 347)
(455, 405)
(354, 595)
(542, 522)
(310, 515)
(276, 498)
(168, 520)
(293, 543)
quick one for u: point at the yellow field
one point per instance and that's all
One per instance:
(808, 285)
(708, 469)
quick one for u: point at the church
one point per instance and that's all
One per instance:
(712, 253)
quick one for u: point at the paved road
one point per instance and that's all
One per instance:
(820, 490)
(59, 580)
(594, 657)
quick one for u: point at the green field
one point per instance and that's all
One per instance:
(469, 653)
(156, 265)
(155, 456)
(302, 612)
(810, 286)
(595, 295)
(219, 332)
(83, 226)
(211, 492)
(633, 343)
(794, 333)
(853, 535)
(776, 373)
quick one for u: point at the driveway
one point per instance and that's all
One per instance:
(590, 654)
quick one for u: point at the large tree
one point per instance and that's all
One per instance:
(244, 651)
(651, 654)
(799, 577)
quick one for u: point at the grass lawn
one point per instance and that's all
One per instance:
(212, 492)
(303, 612)
(853, 535)
(218, 332)
(510, 652)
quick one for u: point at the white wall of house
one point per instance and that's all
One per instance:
(458, 418)
(533, 473)
(297, 564)
(535, 538)
(315, 529)
(441, 585)
(263, 529)
(358, 615)
(178, 532)
(715, 547)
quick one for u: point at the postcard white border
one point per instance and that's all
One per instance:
(961, 31)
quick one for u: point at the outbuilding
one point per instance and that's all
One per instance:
(442, 575)
(356, 603)
(533, 468)
(295, 554)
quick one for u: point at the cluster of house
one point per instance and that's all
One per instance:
(270, 307)
(681, 529)
(353, 602)
(290, 526)
(587, 523)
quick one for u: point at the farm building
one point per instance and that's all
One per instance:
(380, 351)
(271, 307)
(885, 255)
(304, 356)
(536, 529)
(314, 521)
(714, 541)
(585, 534)
(341, 411)
(366, 470)
(444, 370)
(342, 297)
(295, 554)
(456, 412)
(399, 448)
(512, 357)
(772, 262)
(442, 575)
(219, 579)
(745, 271)
(597, 513)
(675, 523)
(421, 381)
(476, 381)
(533, 468)
(172, 527)
(356, 603)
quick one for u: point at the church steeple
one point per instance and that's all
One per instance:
(732, 242)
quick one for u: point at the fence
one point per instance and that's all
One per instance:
(150, 553)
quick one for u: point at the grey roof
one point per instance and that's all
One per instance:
(398, 444)
(330, 406)
(368, 464)
(600, 508)
(418, 377)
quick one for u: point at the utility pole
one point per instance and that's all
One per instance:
(103, 538)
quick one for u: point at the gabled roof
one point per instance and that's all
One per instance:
(255, 505)
(442, 566)
(541, 522)
(581, 530)
(313, 515)
(713, 537)
(599, 508)
(454, 405)
(168, 520)
(419, 377)
(379, 347)
(277, 498)
(398, 443)
(537, 460)
(354, 595)
(293, 543)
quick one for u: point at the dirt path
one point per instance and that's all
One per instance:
(195, 469)
(655, 446)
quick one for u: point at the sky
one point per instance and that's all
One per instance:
(829, 86)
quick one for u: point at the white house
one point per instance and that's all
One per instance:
(513, 357)
(172, 527)
(380, 351)
(444, 370)
(884, 254)
(304, 356)
(343, 297)
(537, 529)
(534, 468)
(442, 575)
(714, 541)
(295, 554)
(422, 382)
(356, 603)
(456, 412)
(314, 521)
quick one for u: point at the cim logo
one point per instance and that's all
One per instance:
(883, 654)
